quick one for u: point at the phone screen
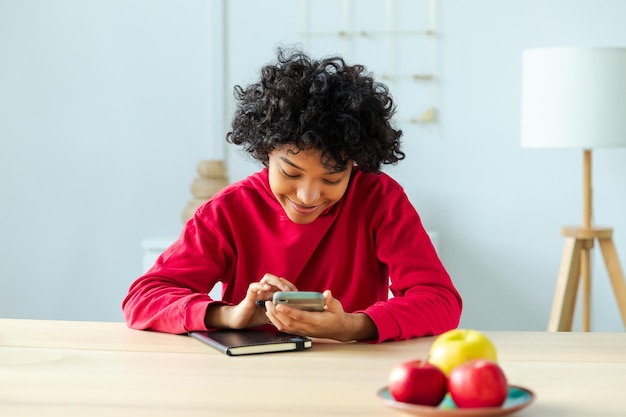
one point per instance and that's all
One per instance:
(304, 300)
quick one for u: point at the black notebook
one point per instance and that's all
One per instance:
(251, 341)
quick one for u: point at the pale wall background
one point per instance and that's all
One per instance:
(106, 107)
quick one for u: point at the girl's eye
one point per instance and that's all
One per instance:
(329, 182)
(287, 175)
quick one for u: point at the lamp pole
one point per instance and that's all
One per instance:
(587, 189)
(587, 245)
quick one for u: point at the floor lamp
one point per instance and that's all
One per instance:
(576, 98)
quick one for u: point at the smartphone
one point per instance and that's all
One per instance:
(304, 300)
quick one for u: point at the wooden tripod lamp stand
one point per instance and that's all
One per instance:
(576, 98)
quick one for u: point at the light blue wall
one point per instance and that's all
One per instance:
(103, 116)
(106, 107)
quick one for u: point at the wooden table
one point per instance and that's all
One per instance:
(87, 369)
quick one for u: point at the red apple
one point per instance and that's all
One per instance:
(417, 382)
(478, 383)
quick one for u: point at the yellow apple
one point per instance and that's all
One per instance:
(458, 346)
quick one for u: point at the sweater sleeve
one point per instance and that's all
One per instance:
(173, 295)
(425, 301)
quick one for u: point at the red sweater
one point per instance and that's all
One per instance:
(352, 249)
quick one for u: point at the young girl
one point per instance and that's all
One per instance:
(320, 216)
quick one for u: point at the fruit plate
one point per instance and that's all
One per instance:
(517, 399)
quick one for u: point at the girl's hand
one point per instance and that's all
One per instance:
(332, 323)
(247, 313)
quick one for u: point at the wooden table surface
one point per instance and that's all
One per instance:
(50, 368)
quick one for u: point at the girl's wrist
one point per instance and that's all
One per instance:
(359, 326)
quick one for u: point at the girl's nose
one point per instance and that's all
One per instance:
(308, 194)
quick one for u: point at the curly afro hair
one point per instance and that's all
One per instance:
(325, 105)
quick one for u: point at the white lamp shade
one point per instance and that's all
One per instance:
(573, 97)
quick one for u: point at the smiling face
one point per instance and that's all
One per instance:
(303, 186)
